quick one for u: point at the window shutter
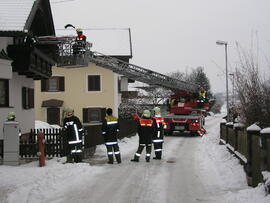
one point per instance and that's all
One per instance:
(85, 115)
(24, 99)
(62, 84)
(44, 85)
(31, 98)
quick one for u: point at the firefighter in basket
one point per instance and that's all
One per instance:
(147, 128)
(74, 132)
(80, 42)
(158, 136)
(110, 128)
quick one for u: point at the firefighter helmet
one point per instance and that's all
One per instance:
(69, 112)
(156, 110)
(79, 30)
(11, 115)
(146, 113)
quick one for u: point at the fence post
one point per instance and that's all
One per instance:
(222, 132)
(41, 148)
(229, 125)
(253, 168)
(265, 152)
(237, 127)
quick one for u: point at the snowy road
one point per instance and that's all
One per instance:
(193, 169)
(176, 178)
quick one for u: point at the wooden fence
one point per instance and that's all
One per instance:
(55, 143)
(251, 145)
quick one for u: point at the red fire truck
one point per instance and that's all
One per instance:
(186, 113)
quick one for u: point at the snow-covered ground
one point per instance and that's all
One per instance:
(95, 181)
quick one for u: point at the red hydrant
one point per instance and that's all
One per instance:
(41, 148)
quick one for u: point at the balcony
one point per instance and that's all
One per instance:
(30, 61)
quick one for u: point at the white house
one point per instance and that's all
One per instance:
(22, 60)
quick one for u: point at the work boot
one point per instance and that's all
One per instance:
(69, 159)
(135, 159)
(118, 158)
(110, 157)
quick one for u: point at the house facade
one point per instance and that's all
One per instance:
(87, 90)
(21, 60)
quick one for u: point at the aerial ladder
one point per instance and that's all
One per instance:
(66, 58)
(184, 112)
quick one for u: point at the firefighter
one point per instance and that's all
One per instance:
(201, 97)
(202, 93)
(158, 137)
(110, 128)
(80, 42)
(147, 127)
(74, 133)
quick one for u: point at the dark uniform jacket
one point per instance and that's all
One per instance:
(147, 128)
(74, 129)
(110, 127)
(160, 128)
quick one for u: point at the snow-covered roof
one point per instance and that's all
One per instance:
(14, 14)
(112, 42)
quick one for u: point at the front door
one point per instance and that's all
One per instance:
(53, 116)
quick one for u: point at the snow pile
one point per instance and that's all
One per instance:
(41, 125)
(29, 182)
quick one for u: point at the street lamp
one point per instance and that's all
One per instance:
(219, 42)
(233, 98)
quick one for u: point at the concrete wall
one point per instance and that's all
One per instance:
(76, 95)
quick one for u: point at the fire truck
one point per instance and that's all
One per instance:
(186, 111)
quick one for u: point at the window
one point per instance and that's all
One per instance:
(93, 114)
(53, 84)
(4, 93)
(94, 83)
(27, 98)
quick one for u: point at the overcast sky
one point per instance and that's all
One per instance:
(179, 35)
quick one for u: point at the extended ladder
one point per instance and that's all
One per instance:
(140, 74)
(66, 58)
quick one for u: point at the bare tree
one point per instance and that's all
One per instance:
(253, 91)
